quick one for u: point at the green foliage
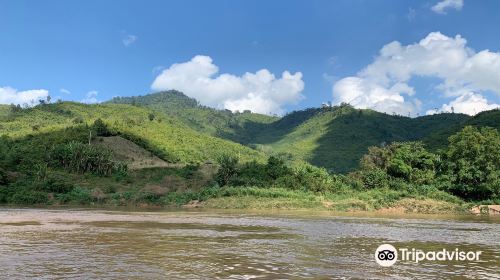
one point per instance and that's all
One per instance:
(227, 169)
(77, 195)
(82, 158)
(42, 154)
(335, 138)
(408, 161)
(53, 184)
(3, 177)
(310, 178)
(101, 128)
(473, 163)
(151, 117)
(169, 138)
(276, 168)
(238, 127)
(29, 197)
(374, 178)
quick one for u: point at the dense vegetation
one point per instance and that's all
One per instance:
(337, 157)
(334, 137)
(238, 127)
(164, 136)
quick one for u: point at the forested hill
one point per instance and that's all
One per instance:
(238, 127)
(178, 129)
(334, 137)
(44, 126)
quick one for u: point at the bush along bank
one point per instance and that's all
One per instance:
(396, 176)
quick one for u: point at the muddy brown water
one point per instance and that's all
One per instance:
(100, 244)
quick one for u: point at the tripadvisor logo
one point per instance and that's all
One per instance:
(387, 255)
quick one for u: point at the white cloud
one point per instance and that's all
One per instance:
(128, 39)
(91, 97)
(260, 92)
(384, 84)
(469, 103)
(364, 94)
(10, 95)
(442, 6)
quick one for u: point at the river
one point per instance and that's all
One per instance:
(105, 244)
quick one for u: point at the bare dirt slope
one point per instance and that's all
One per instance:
(127, 151)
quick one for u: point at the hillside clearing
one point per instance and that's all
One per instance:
(132, 154)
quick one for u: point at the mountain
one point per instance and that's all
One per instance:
(238, 127)
(333, 137)
(181, 130)
(161, 134)
(337, 137)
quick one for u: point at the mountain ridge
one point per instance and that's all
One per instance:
(332, 137)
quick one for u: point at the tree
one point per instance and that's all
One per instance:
(227, 169)
(101, 128)
(407, 160)
(151, 116)
(473, 162)
(276, 167)
(15, 108)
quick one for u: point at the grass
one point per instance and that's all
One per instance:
(352, 201)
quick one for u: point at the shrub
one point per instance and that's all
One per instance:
(78, 120)
(27, 197)
(76, 195)
(374, 178)
(3, 177)
(151, 117)
(308, 178)
(251, 174)
(53, 185)
(227, 169)
(81, 158)
(101, 128)
(407, 160)
(276, 168)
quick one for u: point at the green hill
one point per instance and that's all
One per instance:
(438, 139)
(334, 138)
(184, 131)
(165, 136)
(142, 150)
(238, 127)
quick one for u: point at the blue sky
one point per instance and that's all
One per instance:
(94, 50)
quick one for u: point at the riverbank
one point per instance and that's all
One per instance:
(379, 201)
(418, 201)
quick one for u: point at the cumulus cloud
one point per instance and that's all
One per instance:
(442, 6)
(10, 95)
(364, 94)
(91, 97)
(469, 103)
(384, 84)
(259, 92)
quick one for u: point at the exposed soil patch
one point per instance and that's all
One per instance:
(135, 156)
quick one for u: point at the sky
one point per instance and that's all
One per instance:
(402, 57)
